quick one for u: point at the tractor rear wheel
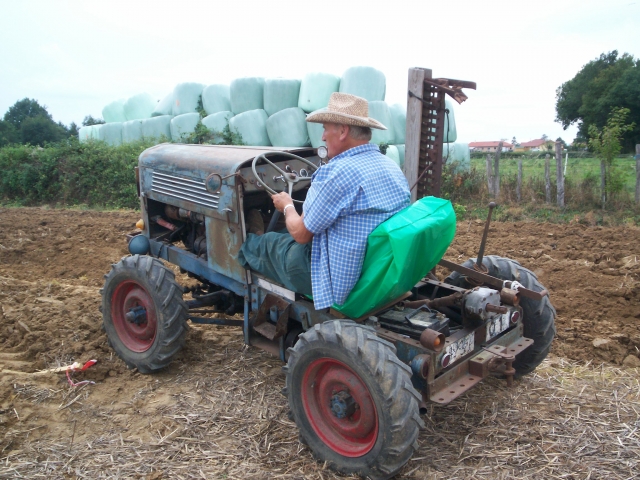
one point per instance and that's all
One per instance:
(143, 312)
(352, 399)
(538, 316)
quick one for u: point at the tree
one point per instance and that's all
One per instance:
(89, 120)
(39, 130)
(602, 84)
(564, 144)
(606, 144)
(514, 142)
(23, 109)
(8, 134)
(544, 137)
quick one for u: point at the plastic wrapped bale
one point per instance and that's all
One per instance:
(365, 82)
(380, 111)
(157, 128)
(252, 126)
(85, 133)
(139, 106)
(288, 128)
(132, 131)
(112, 133)
(315, 90)
(217, 122)
(96, 132)
(315, 131)
(246, 94)
(280, 93)
(457, 155)
(186, 97)
(451, 134)
(114, 112)
(392, 153)
(183, 125)
(400, 154)
(215, 98)
(164, 107)
(398, 114)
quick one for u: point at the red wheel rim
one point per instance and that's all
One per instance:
(136, 337)
(351, 436)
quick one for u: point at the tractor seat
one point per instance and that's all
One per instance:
(400, 252)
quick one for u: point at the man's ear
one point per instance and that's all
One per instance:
(344, 132)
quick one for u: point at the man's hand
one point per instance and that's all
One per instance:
(281, 200)
(293, 221)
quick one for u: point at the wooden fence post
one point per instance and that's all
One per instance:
(519, 186)
(638, 173)
(413, 128)
(496, 171)
(547, 180)
(559, 175)
(489, 175)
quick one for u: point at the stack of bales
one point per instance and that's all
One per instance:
(264, 112)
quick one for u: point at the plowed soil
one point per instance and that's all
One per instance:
(52, 264)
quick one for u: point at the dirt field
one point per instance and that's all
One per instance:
(216, 412)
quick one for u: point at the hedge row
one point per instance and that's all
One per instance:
(70, 173)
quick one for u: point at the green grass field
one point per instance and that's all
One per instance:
(578, 169)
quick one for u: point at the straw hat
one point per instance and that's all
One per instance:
(346, 109)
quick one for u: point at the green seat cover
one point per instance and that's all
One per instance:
(400, 252)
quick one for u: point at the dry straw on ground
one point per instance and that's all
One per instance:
(564, 421)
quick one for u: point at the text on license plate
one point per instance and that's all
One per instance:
(459, 349)
(497, 325)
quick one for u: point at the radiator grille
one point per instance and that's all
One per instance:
(184, 189)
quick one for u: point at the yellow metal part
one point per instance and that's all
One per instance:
(140, 224)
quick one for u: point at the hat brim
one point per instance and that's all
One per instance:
(326, 116)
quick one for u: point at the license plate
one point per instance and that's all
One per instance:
(458, 349)
(497, 325)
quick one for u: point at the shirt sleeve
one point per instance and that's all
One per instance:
(326, 201)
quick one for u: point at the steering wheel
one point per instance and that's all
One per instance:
(291, 178)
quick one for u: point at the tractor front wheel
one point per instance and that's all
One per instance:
(143, 312)
(352, 399)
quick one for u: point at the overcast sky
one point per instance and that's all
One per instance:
(77, 56)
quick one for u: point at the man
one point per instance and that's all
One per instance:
(348, 198)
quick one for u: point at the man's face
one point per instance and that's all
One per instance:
(331, 137)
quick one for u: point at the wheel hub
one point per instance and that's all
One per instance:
(137, 315)
(343, 405)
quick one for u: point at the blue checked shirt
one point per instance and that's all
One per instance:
(348, 198)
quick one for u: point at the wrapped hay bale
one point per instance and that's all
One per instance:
(215, 98)
(280, 93)
(132, 131)
(451, 134)
(400, 154)
(380, 111)
(315, 90)
(139, 106)
(157, 128)
(251, 125)
(217, 122)
(164, 106)
(315, 131)
(96, 132)
(365, 82)
(111, 133)
(186, 97)
(398, 114)
(392, 153)
(114, 112)
(246, 94)
(85, 133)
(457, 155)
(288, 128)
(183, 125)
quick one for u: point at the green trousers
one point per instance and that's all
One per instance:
(278, 256)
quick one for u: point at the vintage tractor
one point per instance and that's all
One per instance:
(356, 387)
